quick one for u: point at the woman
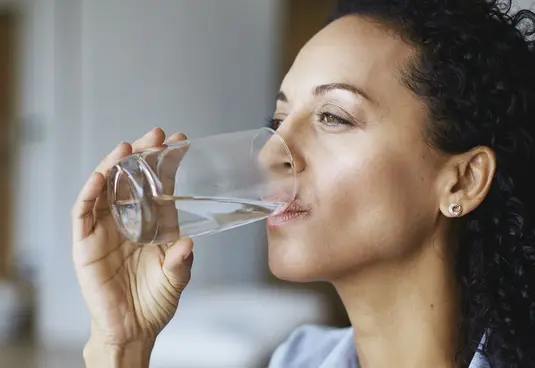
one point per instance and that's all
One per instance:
(412, 125)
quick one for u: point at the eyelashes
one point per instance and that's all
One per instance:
(332, 120)
(325, 118)
(274, 123)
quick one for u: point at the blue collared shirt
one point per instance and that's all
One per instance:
(325, 347)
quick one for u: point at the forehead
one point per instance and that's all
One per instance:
(354, 50)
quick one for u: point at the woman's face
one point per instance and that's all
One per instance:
(367, 179)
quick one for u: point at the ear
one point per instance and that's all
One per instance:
(466, 181)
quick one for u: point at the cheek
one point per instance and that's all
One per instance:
(355, 184)
(373, 207)
(368, 205)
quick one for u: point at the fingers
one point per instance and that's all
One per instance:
(88, 199)
(177, 263)
(151, 139)
(154, 138)
(93, 193)
(82, 212)
(177, 137)
(122, 150)
(92, 202)
(150, 142)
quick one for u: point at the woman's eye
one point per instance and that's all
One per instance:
(324, 118)
(332, 120)
(275, 123)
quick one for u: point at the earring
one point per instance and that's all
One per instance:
(455, 209)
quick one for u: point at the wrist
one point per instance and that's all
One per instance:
(99, 354)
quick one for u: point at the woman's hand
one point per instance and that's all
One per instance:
(132, 292)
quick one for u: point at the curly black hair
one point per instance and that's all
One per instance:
(475, 69)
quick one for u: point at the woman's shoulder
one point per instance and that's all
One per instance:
(327, 347)
(316, 346)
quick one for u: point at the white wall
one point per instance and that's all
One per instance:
(33, 181)
(100, 71)
(526, 4)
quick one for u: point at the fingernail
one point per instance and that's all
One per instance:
(187, 254)
(186, 248)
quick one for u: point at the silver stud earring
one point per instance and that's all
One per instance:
(455, 209)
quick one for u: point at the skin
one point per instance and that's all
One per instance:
(378, 226)
(131, 292)
(375, 220)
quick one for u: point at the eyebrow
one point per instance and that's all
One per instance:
(324, 88)
(281, 97)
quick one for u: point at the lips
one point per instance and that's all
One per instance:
(291, 212)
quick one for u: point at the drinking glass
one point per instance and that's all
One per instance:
(201, 186)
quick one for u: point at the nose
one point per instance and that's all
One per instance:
(291, 138)
(277, 167)
(275, 156)
(281, 164)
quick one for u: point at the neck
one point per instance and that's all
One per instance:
(404, 313)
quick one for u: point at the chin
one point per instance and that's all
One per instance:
(308, 261)
(296, 253)
(293, 264)
(290, 273)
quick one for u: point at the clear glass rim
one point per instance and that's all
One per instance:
(156, 186)
(289, 154)
(273, 132)
(113, 179)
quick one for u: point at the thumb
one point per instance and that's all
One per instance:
(177, 263)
